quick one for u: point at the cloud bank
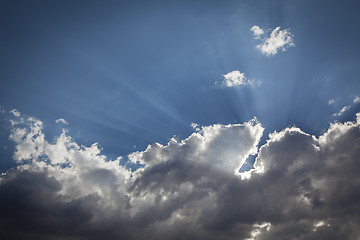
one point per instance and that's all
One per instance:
(278, 40)
(301, 187)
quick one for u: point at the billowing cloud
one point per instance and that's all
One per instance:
(237, 78)
(301, 187)
(278, 40)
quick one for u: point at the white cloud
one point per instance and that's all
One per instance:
(188, 188)
(30, 140)
(237, 78)
(195, 126)
(357, 99)
(61, 120)
(278, 40)
(35, 153)
(331, 101)
(219, 146)
(257, 31)
(344, 109)
(15, 112)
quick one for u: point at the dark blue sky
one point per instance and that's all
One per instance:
(131, 73)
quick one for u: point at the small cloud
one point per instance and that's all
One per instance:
(278, 40)
(257, 31)
(357, 99)
(195, 126)
(237, 78)
(331, 101)
(344, 109)
(15, 112)
(61, 120)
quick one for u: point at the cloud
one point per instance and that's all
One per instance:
(344, 109)
(257, 31)
(30, 141)
(195, 126)
(357, 99)
(278, 40)
(188, 188)
(331, 101)
(62, 121)
(237, 78)
(15, 112)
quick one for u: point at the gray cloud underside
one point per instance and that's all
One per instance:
(302, 187)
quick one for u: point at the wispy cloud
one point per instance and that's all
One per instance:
(345, 108)
(15, 112)
(278, 40)
(331, 101)
(237, 78)
(357, 99)
(195, 126)
(341, 112)
(61, 120)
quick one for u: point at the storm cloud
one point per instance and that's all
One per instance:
(301, 186)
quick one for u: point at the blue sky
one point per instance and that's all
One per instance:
(126, 74)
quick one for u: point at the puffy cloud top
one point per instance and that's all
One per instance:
(236, 78)
(278, 40)
(301, 187)
(257, 31)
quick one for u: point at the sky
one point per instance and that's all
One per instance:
(179, 119)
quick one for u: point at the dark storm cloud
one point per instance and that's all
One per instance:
(302, 187)
(31, 207)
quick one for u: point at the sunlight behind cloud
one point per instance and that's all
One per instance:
(189, 182)
(179, 120)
